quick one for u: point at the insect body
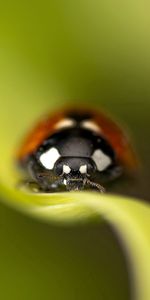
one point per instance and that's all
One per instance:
(75, 149)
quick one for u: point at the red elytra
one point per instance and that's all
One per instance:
(109, 129)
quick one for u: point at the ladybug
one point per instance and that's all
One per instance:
(75, 149)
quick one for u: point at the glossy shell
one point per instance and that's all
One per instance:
(108, 129)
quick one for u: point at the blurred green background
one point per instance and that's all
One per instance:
(40, 261)
(51, 53)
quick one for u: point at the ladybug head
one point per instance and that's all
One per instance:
(74, 171)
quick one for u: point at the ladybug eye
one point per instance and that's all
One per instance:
(58, 169)
(91, 167)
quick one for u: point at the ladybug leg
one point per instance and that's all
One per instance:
(53, 187)
(28, 186)
(94, 185)
(56, 186)
(32, 186)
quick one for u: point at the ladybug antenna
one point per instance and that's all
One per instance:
(94, 184)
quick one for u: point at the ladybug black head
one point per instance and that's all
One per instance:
(74, 171)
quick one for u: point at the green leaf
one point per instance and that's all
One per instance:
(130, 219)
(79, 51)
